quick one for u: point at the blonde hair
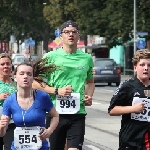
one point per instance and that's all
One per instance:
(5, 55)
(140, 54)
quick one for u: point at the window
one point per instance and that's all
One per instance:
(104, 63)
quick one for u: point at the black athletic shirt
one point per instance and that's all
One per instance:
(133, 133)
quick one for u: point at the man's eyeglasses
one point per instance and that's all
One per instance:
(67, 32)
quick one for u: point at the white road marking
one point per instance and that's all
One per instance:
(104, 90)
(95, 103)
(92, 147)
(107, 90)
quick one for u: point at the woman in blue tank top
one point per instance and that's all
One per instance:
(28, 108)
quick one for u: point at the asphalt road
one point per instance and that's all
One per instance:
(101, 129)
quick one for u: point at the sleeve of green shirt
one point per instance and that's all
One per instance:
(47, 55)
(90, 71)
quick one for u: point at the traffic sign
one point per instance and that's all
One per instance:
(30, 42)
(142, 34)
(141, 44)
(26, 41)
(57, 33)
(58, 41)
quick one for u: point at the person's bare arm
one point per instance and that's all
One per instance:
(45, 133)
(65, 91)
(89, 87)
(89, 91)
(4, 121)
(54, 121)
(120, 110)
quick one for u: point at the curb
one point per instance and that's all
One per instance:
(125, 77)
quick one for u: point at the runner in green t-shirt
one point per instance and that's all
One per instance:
(68, 89)
(74, 69)
(7, 87)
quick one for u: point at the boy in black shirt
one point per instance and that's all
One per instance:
(132, 101)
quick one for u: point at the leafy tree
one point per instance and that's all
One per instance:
(120, 14)
(112, 19)
(25, 16)
(86, 13)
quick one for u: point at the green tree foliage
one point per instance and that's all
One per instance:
(6, 16)
(112, 19)
(24, 16)
(119, 14)
(86, 13)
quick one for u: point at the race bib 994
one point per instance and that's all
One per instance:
(68, 104)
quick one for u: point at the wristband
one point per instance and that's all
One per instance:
(56, 91)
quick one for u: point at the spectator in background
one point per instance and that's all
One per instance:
(93, 55)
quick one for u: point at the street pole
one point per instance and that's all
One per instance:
(30, 59)
(135, 26)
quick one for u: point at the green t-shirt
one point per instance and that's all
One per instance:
(7, 88)
(74, 69)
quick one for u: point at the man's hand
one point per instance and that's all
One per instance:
(87, 100)
(65, 91)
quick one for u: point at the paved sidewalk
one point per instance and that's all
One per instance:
(125, 77)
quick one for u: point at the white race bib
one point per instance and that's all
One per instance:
(68, 104)
(145, 115)
(26, 138)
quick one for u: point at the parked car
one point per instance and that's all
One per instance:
(33, 58)
(106, 71)
(15, 55)
(18, 60)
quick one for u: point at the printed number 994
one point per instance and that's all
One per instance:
(67, 103)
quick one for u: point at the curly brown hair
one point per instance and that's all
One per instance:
(140, 54)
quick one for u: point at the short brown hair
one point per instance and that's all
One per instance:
(5, 55)
(140, 54)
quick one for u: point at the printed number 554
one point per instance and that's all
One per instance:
(27, 139)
